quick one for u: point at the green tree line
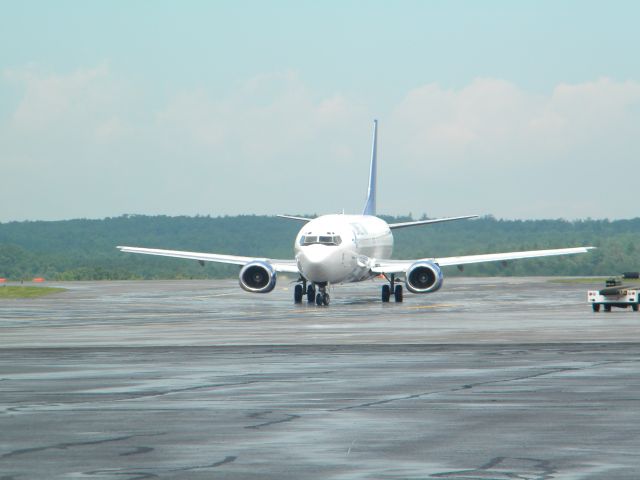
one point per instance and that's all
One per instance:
(85, 249)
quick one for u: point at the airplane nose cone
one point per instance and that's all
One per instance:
(318, 262)
(316, 254)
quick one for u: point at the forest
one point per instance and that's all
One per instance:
(86, 249)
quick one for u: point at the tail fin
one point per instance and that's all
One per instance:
(370, 206)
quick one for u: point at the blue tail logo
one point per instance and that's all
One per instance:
(370, 206)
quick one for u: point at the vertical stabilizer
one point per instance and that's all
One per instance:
(370, 206)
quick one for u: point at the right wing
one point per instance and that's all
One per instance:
(285, 266)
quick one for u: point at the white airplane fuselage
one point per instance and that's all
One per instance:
(341, 248)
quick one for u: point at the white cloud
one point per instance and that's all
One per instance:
(89, 141)
(266, 117)
(514, 153)
(492, 116)
(83, 100)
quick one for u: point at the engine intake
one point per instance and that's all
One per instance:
(258, 277)
(424, 277)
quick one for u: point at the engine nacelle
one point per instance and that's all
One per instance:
(424, 277)
(258, 277)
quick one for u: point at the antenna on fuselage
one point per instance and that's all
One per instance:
(370, 206)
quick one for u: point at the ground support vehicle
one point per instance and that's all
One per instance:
(614, 295)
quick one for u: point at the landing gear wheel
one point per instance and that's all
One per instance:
(322, 299)
(607, 308)
(386, 293)
(596, 307)
(297, 294)
(397, 293)
(635, 307)
(311, 294)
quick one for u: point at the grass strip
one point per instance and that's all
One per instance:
(11, 291)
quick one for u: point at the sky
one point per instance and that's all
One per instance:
(520, 110)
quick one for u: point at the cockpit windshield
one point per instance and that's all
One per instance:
(320, 239)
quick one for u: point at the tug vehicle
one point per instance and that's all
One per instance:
(614, 295)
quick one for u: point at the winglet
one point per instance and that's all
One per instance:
(370, 206)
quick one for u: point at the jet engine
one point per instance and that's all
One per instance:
(258, 277)
(424, 277)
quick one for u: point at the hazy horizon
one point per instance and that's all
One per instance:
(310, 215)
(527, 110)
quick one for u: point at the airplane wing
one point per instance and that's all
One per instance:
(401, 266)
(428, 222)
(285, 266)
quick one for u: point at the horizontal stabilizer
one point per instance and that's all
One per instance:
(292, 217)
(428, 222)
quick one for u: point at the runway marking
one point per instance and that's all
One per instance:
(422, 307)
(315, 309)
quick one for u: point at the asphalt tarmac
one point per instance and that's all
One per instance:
(487, 379)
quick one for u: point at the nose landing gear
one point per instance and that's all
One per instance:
(322, 297)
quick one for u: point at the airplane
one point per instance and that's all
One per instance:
(340, 248)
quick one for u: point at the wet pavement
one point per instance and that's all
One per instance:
(487, 379)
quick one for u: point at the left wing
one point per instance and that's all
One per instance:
(285, 266)
(401, 266)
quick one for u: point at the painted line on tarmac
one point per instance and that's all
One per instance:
(422, 307)
(314, 309)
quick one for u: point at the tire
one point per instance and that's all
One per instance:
(607, 308)
(297, 294)
(635, 307)
(596, 307)
(397, 294)
(326, 299)
(319, 299)
(311, 293)
(386, 293)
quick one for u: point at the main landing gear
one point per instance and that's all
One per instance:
(392, 287)
(302, 289)
(321, 296)
(297, 293)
